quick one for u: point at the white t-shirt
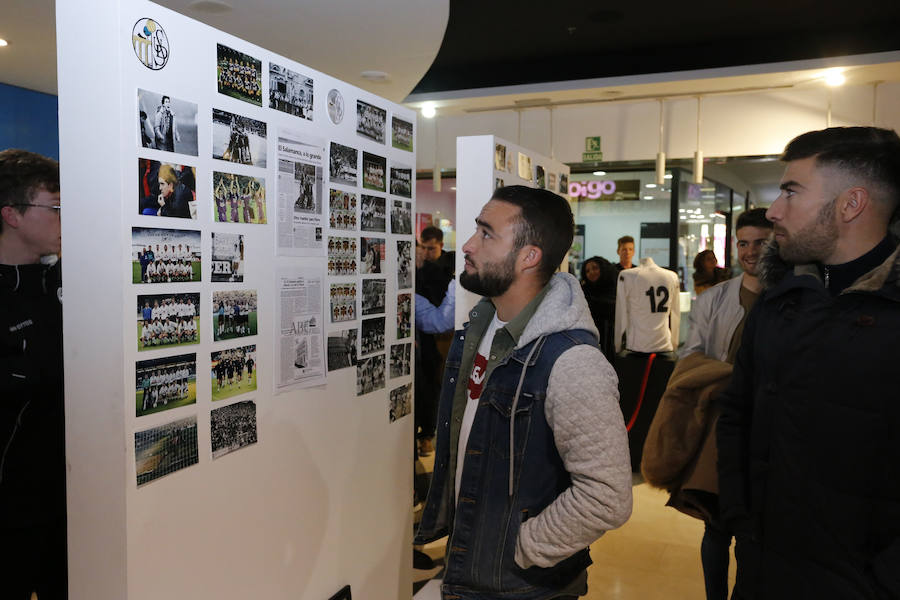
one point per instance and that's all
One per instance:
(473, 393)
(647, 308)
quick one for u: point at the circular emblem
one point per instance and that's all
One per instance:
(150, 43)
(335, 106)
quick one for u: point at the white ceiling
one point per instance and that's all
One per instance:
(340, 37)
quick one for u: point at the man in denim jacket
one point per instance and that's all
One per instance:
(522, 498)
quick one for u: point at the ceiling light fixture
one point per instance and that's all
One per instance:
(834, 77)
(599, 173)
(3, 43)
(377, 76)
(428, 110)
(650, 185)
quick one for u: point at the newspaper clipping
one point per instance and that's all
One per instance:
(301, 323)
(301, 217)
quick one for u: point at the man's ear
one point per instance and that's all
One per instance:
(530, 257)
(10, 216)
(853, 202)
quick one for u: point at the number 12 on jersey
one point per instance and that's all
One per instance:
(660, 292)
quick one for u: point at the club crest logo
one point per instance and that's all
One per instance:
(150, 43)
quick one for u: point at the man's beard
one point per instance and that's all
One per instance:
(813, 243)
(493, 280)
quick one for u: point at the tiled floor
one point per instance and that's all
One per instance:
(656, 554)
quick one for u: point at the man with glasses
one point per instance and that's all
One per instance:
(32, 428)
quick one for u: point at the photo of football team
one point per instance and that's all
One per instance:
(401, 181)
(290, 92)
(370, 375)
(233, 372)
(238, 75)
(164, 255)
(343, 302)
(370, 121)
(166, 320)
(401, 134)
(232, 427)
(164, 383)
(401, 217)
(239, 198)
(401, 402)
(234, 314)
(341, 255)
(371, 337)
(165, 449)
(374, 172)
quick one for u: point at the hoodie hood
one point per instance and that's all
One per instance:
(563, 308)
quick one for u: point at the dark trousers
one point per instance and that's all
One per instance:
(714, 557)
(33, 559)
(747, 555)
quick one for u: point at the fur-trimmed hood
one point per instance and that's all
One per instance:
(773, 269)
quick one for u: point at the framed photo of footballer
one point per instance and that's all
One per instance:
(165, 255)
(238, 139)
(404, 316)
(342, 167)
(233, 372)
(166, 190)
(371, 255)
(165, 383)
(227, 261)
(166, 123)
(167, 320)
(372, 213)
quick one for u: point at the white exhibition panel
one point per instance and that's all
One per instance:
(323, 497)
(478, 174)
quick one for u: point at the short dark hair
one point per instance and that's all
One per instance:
(755, 217)
(869, 153)
(432, 233)
(164, 98)
(625, 239)
(546, 221)
(22, 175)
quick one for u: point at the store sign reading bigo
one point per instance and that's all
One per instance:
(150, 43)
(592, 189)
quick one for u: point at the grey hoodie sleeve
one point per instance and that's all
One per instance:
(582, 409)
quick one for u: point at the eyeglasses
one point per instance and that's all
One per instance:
(55, 207)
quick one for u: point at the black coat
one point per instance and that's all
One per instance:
(809, 435)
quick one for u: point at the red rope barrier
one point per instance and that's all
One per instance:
(640, 399)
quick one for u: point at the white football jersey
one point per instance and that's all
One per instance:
(647, 308)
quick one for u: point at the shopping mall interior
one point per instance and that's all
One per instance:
(669, 119)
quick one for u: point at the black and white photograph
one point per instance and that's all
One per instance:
(342, 349)
(401, 134)
(166, 189)
(342, 164)
(238, 75)
(166, 123)
(401, 181)
(370, 121)
(290, 92)
(373, 296)
(551, 182)
(233, 372)
(308, 185)
(525, 167)
(401, 217)
(371, 255)
(498, 183)
(165, 449)
(165, 255)
(563, 184)
(374, 172)
(404, 316)
(342, 210)
(499, 157)
(239, 198)
(165, 383)
(238, 139)
(232, 427)
(371, 336)
(539, 177)
(341, 255)
(404, 264)
(233, 314)
(401, 358)
(401, 402)
(370, 375)
(167, 320)
(227, 262)
(343, 302)
(372, 213)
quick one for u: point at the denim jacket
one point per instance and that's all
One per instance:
(513, 469)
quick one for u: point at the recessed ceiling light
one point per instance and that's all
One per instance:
(375, 76)
(648, 197)
(3, 43)
(212, 7)
(599, 173)
(668, 176)
(428, 110)
(650, 185)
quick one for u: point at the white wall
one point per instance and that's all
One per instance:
(731, 125)
(323, 499)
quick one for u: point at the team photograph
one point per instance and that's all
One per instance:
(370, 375)
(374, 172)
(232, 427)
(370, 121)
(342, 210)
(342, 164)
(401, 134)
(401, 217)
(233, 314)
(401, 181)
(371, 336)
(233, 372)
(401, 402)
(290, 92)
(373, 296)
(164, 383)
(343, 302)
(165, 255)
(238, 75)
(342, 349)
(167, 320)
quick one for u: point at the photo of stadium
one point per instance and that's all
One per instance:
(165, 449)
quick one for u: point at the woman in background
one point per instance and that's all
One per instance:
(707, 273)
(598, 282)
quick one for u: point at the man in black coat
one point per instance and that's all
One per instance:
(32, 426)
(809, 435)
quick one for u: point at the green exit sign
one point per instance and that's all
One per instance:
(591, 156)
(592, 144)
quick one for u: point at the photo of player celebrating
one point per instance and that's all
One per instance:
(239, 198)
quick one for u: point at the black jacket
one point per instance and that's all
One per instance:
(809, 435)
(32, 428)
